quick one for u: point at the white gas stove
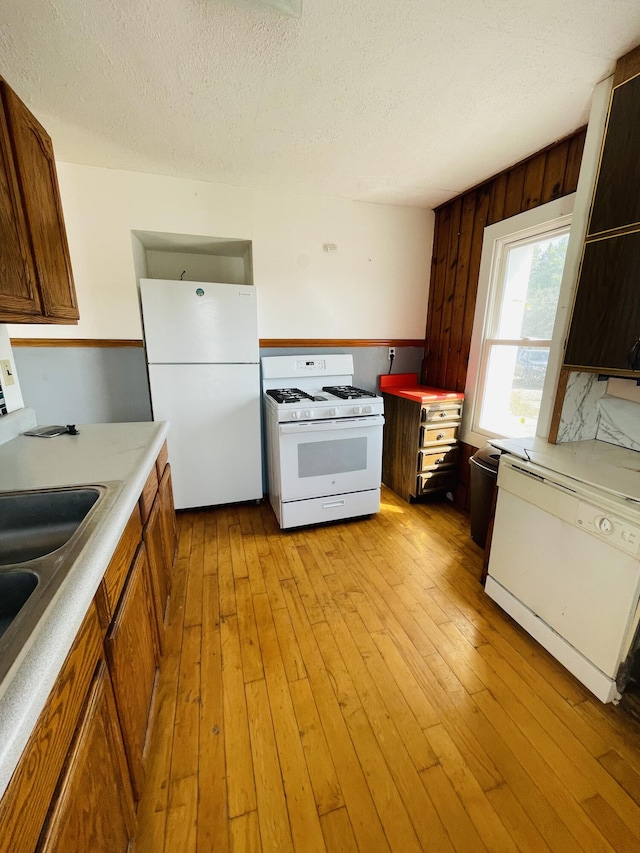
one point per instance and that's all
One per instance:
(324, 439)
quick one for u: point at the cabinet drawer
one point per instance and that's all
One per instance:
(444, 457)
(118, 569)
(148, 495)
(161, 461)
(436, 481)
(438, 434)
(441, 412)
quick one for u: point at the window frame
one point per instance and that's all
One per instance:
(497, 239)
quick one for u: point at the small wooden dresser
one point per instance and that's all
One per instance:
(420, 450)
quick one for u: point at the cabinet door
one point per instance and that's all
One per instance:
(616, 201)
(131, 653)
(606, 316)
(36, 173)
(157, 568)
(93, 808)
(18, 287)
(168, 516)
(25, 803)
(401, 440)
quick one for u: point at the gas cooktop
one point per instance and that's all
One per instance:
(342, 392)
(315, 388)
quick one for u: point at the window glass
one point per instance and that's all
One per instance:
(531, 286)
(515, 351)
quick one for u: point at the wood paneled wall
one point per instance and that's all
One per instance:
(455, 265)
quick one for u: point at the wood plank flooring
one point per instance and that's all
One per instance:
(351, 688)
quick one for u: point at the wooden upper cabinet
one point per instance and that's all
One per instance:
(604, 336)
(18, 286)
(36, 280)
(606, 316)
(616, 202)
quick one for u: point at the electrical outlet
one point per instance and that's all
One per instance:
(392, 353)
(7, 372)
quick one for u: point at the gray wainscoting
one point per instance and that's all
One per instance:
(109, 384)
(84, 384)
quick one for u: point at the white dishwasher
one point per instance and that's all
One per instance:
(565, 565)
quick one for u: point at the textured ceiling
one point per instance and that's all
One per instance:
(398, 101)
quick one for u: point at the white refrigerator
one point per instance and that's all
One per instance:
(202, 353)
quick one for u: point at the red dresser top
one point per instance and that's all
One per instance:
(406, 385)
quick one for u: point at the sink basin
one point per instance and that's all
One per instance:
(42, 534)
(33, 524)
(15, 589)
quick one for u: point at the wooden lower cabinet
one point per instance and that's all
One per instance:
(131, 648)
(93, 807)
(26, 801)
(75, 786)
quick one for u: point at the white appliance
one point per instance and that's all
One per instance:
(565, 564)
(324, 440)
(202, 351)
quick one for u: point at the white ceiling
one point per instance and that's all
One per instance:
(396, 101)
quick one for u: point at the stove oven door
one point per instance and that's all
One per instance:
(322, 458)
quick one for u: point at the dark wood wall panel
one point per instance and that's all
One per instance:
(455, 265)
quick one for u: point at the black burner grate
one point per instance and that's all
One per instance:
(347, 392)
(288, 395)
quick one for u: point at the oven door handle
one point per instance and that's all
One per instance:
(332, 425)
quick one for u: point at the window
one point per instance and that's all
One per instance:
(514, 322)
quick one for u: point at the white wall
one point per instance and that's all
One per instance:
(374, 285)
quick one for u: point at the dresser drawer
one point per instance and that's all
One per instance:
(436, 481)
(436, 460)
(431, 434)
(441, 412)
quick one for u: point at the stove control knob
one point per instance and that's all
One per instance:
(357, 410)
(307, 414)
(295, 415)
(333, 412)
(367, 410)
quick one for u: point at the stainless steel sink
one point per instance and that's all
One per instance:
(33, 524)
(15, 589)
(42, 533)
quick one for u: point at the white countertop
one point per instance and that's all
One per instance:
(596, 463)
(101, 452)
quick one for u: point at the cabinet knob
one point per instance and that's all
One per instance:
(439, 436)
(442, 415)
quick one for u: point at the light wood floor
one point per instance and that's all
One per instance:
(351, 687)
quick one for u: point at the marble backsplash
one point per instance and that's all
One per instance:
(619, 422)
(608, 410)
(579, 418)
